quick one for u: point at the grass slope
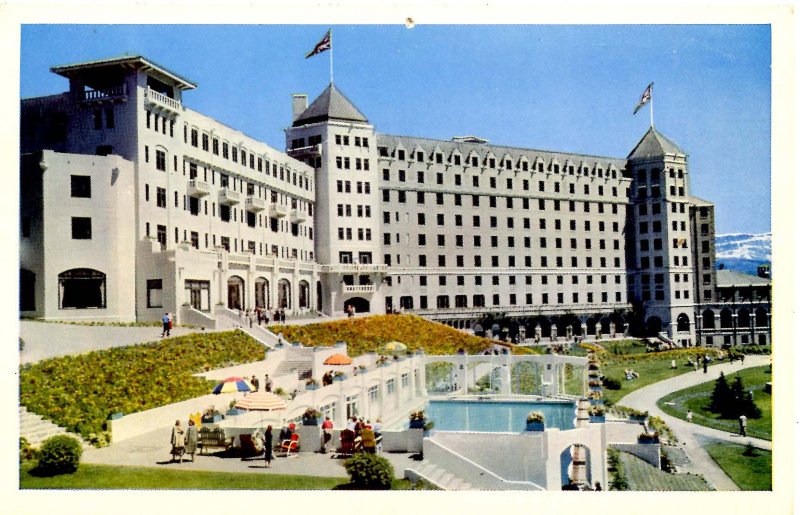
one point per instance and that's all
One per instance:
(748, 472)
(697, 398)
(366, 334)
(642, 476)
(80, 392)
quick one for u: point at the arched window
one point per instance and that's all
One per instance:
(683, 323)
(743, 320)
(284, 294)
(761, 318)
(304, 302)
(81, 288)
(725, 319)
(708, 319)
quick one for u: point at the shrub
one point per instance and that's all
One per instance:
(369, 472)
(26, 451)
(611, 384)
(59, 454)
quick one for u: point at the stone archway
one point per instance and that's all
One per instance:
(236, 297)
(284, 294)
(360, 304)
(262, 292)
(683, 323)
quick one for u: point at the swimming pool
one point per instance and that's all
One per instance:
(497, 416)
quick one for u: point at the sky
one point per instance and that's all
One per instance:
(569, 88)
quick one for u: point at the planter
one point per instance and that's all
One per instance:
(637, 418)
(534, 426)
(211, 420)
(595, 388)
(595, 402)
(339, 378)
(311, 387)
(116, 416)
(310, 421)
(416, 424)
(232, 412)
(597, 419)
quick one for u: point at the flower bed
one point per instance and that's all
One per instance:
(81, 392)
(366, 334)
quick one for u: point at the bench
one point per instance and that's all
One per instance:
(213, 439)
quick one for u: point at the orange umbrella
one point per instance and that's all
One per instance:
(338, 359)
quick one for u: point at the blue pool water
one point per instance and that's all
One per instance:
(497, 416)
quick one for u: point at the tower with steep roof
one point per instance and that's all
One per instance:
(661, 278)
(333, 136)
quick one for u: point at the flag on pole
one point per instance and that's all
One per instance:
(324, 44)
(646, 96)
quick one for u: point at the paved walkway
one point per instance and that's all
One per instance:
(45, 340)
(693, 435)
(153, 450)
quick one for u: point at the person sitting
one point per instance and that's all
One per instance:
(634, 374)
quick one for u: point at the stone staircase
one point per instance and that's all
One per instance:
(437, 476)
(292, 366)
(37, 429)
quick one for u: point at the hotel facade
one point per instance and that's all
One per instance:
(132, 205)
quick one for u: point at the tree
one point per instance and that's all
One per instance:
(721, 397)
(741, 403)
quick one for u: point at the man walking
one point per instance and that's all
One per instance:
(743, 425)
(166, 323)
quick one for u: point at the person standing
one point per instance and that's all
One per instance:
(743, 425)
(705, 366)
(267, 383)
(166, 323)
(191, 439)
(177, 442)
(268, 446)
(327, 433)
(254, 380)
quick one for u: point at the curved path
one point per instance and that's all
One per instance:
(692, 436)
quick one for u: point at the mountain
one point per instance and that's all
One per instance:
(744, 252)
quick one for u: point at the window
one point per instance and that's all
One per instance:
(161, 160)
(154, 293)
(81, 186)
(81, 228)
(161, 197)
(82, 288)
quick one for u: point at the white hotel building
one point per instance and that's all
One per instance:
(132, 205)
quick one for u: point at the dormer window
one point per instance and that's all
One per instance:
(420, 157)
(438, 158)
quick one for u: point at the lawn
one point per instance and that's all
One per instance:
(102, 477)
(748, 472)
(697, 399)
(642, 476)
(652, 367)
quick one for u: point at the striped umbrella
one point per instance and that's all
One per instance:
(233, 384)
(261, 401)
(394, 347)
(338, 359)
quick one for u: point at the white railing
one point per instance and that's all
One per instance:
(105, 93)
(252, 203)
(350, 268)
(467, 470)
(298, 216)
(227, 196)
(312, 150)
(358, 288)
(159, 98)
(278, 210)
(198, 188)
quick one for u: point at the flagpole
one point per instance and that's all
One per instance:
(331, 38)
(651, 108)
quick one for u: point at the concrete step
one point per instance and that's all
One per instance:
(37, 429)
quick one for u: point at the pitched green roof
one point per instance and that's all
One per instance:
(654, 144)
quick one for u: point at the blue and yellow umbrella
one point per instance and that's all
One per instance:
(233, 384)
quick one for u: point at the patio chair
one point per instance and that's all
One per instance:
(289, 448)
(346, 444)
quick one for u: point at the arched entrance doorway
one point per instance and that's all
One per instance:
(81, 288)
(262, 292)
(683, 323)
(235, 292)
(360, 304)
(303, 295)
(284, 294)
(653, 326)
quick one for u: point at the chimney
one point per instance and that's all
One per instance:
(299, 104)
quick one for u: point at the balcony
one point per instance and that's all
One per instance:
(278, 211)
(254, 204)
(198, 188)
(161, 101)
(358, 288)
(298, 216)
(304, 152)
(98, 95)
(352, 268)
(229, 197)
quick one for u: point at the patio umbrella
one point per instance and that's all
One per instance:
(338, 359)
(261, 401)
(233, 384)
(394, 347)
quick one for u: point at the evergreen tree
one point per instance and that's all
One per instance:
(741, 403)
(721, 397)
